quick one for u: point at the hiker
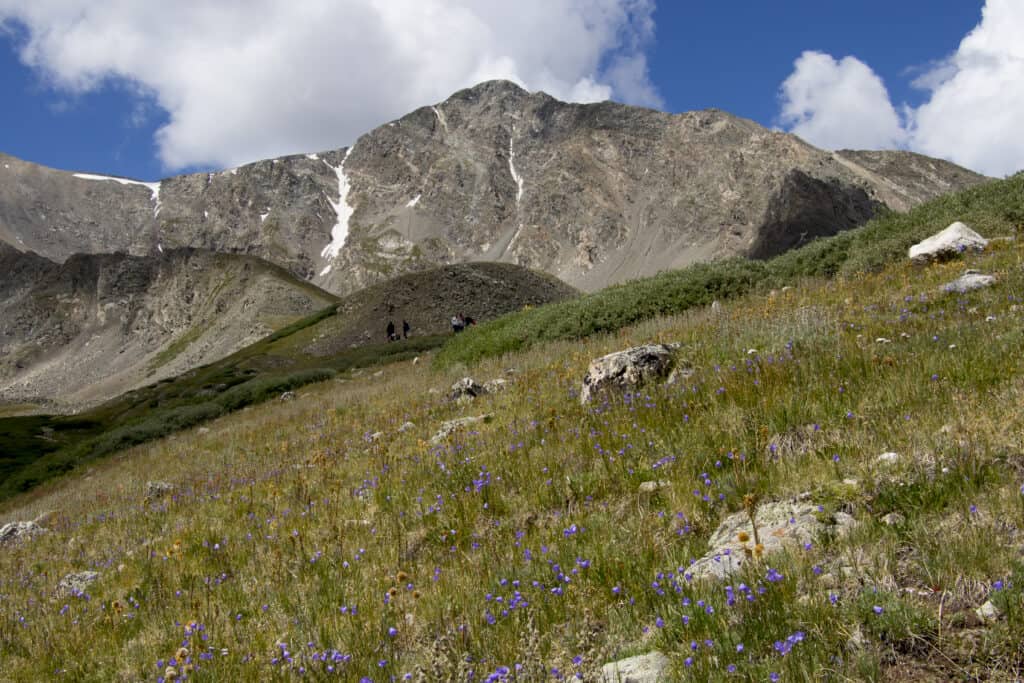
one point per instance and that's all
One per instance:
(391, 330)
(405, 329)
(457, 323)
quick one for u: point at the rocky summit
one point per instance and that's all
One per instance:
(592, 193)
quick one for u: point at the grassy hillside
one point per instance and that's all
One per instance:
(993, 208)
(315, 539)
(33, 449)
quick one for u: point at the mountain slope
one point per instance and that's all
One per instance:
(594, 194)
(78, 333)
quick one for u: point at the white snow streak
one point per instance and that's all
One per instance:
(440, 117)
(160, 247)
(263, 216)
(313, 156)
(414, 201)
(512, 167)
(339, 233)
(153, 187)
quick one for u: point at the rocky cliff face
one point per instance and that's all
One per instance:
(76, 333)
(594, 194)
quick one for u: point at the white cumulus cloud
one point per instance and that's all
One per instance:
(247, 79)
(839, 103)
(972, 115)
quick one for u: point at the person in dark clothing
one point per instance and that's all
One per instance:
(391, 330)
(405, 329)
(457, 323)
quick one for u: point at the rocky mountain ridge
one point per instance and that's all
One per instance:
(77, 333)
(592, 193)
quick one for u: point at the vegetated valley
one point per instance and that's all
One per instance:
(836, 396)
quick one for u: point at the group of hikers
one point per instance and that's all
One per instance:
(393, 335)
(459, 323)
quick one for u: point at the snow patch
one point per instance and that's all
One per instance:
(326, 270)
(160, 247)
(206, 214)
(263, 216)
(512, 167)
(154, 188)
(414, 201)
(440, 118)
(339, 233)
(313, 156)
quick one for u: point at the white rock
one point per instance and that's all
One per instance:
(449, 427)
(785, 524)
(13, 532)
(893, 519)
(626, 369)
(75, 584)
(652, 486)
(466, 388)
(158, 489)
(888, 458)
(988, 612)
(950, 242)
(495, 385)
(968, 282)
(649, 668)
(406, 426)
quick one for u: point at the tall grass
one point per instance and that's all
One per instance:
(314, 539)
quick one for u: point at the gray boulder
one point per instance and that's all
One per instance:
(465, 389)
(968, 282)
(781, 525)
(75, 584)
(450, 427)
(627, 369)
(949, 243)
(158, 489)
(649, 668)
(495, 385)
(18, 531)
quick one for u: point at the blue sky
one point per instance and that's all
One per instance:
(151, 91)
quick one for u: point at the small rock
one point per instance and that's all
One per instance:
(988, 612)
(716, 306)
(379, 373)
(406, 426)
(652, 486)
(888, 458)
(288, 396)
(18, 531)
(203, 430)
(158, 489)
(844, 523)
(449, 427)
(893, 519)
(376, 436)
(416, 360)
(828, 580)
(75, 584)
(679, 374)
(626, 369)
(968, 282)
(883, 340)
(649, 668)
(949, 243)
(495, 385)
(466, 388)
(851, 482)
